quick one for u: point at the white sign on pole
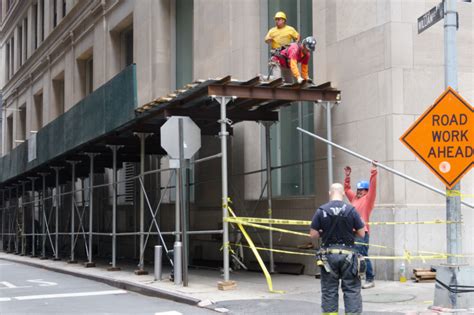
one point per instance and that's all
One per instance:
(170, 137)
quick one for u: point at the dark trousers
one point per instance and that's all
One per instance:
(343, 272)
(364, 251)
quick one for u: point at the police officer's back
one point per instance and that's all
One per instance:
(337, 222)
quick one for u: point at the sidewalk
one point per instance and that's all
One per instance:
(302, 293)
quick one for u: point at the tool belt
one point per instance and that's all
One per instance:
(354, 260)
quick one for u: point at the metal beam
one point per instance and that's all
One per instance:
(280, 93)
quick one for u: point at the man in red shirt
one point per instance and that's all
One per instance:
(363, 201)
(289, 58)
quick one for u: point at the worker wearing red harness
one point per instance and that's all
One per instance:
(295, 54)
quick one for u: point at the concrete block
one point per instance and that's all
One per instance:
(401, 45)
(355, 17)
(422, 88)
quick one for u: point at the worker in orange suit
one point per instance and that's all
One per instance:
(296, 53)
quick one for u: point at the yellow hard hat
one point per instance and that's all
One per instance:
(280, 15)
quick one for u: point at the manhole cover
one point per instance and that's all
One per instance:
(387, 298)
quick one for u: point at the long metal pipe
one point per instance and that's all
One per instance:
(56, 215)
(73, 200)
(33, 214)
(43, 217)
(223, 134)
(114, 206)
(329, 147)
(23, 237)
(91, 207)
(391, 170)
(141, 264)
(268, 154)
(3, 219)
(453, 203)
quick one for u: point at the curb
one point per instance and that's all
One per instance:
(121, 284)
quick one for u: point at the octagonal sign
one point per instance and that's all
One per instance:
(170, 137)
(443, 137)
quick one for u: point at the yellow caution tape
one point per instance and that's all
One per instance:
(278, 250)
(457, 193)
(307, 223)
(255, 252)
(264, 227)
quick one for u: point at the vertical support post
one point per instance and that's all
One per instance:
(72, 259)
(56, 213)
(268, 154)
(3, 220)
(114, 149)
(177, 227)
(158, 262)
(43, 216)
(141, 263)
(16, 225)
(33, 215)
(223, 134)
(329, 147)
(453, 201)
(89, 263)
(23, 237)
(182, 202)
(9, 219)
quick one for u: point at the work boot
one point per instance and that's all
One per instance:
(368, 284)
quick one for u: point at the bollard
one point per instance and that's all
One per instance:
(158, 262)
(178, 275)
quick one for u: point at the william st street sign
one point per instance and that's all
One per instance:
(443, 137)
(431, 17)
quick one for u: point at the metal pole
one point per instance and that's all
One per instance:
(269, 189)
(15, 222)
(453, 203)
(23, 237)
(73, 208)
(114, 208)
(391, 170)
(329, 147)
(3, 219)
(178, 250)
(43, 217)
(33, 214)
(182, 202)
(223, 100)
(141, 263)
(177, 227)
(56, 214)
(9, 218)
(89, 263)
(158, 262)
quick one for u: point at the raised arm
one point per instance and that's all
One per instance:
(347, 184)
(372, 194)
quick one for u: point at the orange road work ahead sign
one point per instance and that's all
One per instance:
(443, 137)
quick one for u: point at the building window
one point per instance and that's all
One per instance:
(21, 130)
(85, 67)
(12, 56)
(37, 121)
(58, 95)
(288, 145)
(184, 42)
(9, 135)
(34, 23)
(7, 61)
(127, 47)
(25, 39)
(20, 45)
(55, 14)
(41, 20)
(63, 13)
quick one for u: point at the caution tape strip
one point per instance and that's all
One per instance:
(407, 256)
(307, 223)
(457, 193)
(255, 252)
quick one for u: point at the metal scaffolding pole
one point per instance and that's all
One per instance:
(182, 202)
(23, 237)
(2, 247)
(72, 259)
(15, 221)
(141, 263)
(43, 211)
(268, 155)
(33, 210)
(328, 107)
(9, 247)
(89, 262)
(223, 134)
(56, 214)
(114, 148)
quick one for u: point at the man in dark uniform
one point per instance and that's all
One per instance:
(337, 223)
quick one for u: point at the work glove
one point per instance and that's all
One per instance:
(300, 80)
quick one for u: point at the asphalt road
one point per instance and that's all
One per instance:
(29, 290)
